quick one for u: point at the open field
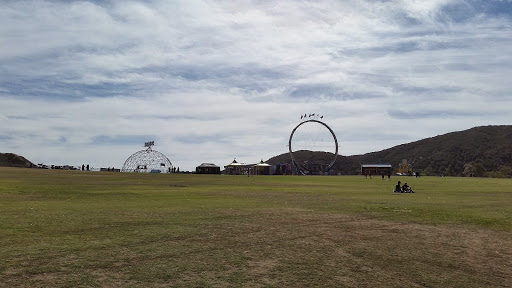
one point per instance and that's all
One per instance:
(91, 229)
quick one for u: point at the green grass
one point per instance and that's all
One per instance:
(90, 229)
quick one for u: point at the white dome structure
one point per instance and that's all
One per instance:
(147, 161)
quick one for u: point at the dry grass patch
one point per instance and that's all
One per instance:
(304, 249)
(77, 229)
(280, 248)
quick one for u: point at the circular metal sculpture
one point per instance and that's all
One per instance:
(147, 161)
(313, 136)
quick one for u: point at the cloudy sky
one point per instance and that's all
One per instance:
(91, 81)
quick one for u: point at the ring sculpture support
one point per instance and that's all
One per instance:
(302, 169)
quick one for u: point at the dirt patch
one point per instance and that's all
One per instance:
(301, 248)
(281, 248)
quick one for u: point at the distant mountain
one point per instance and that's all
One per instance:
(13, 160)
(481, 151)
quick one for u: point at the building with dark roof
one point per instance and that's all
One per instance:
(207, 168)
(376, 169)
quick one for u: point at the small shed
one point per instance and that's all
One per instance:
(376, 169)
(207, 168)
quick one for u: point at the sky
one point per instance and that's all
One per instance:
(88, 82)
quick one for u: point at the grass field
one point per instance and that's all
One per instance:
(95, 229)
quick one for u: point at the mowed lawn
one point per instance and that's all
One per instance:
(101, 229)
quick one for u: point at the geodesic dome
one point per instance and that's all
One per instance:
(147, 161)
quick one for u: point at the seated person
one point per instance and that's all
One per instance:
(398, 188)
(406, 188)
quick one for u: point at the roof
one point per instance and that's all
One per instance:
(207, 165)
(234, 163)
(262, 164)
(377, 165)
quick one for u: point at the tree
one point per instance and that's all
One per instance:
(479, 170)
(506, 171)
(468, 169)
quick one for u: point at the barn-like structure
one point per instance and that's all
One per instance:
(376, 169)
(207, 168)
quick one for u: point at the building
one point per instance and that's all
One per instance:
(376, 169)
(261, 168)
(207, 168)
(235, 168)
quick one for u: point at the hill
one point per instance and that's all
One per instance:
(481, 151)
(13, 160)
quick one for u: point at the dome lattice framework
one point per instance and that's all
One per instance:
(147, 161)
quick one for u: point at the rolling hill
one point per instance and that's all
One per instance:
(13, 160)
(481, 151)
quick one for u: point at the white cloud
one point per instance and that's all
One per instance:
(210, 81)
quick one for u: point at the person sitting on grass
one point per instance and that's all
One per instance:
(398, 188)
(406, 188)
